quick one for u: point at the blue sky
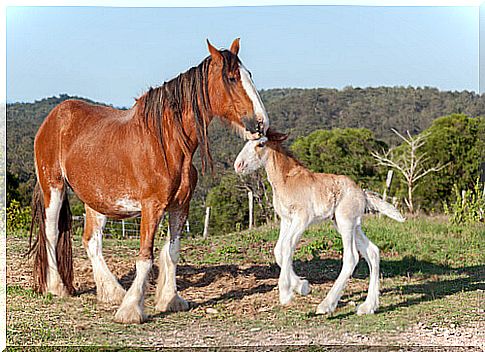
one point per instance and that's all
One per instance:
(113, 55)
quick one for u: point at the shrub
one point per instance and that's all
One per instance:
(468, 207)
(18, 218)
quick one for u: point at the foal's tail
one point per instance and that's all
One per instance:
(63, 247)
(376, 205)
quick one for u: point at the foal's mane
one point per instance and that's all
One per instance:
(283, 156)
(189, 91)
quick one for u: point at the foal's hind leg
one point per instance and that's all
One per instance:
(107, 287)
(53, 201)
(346, 226)
(371, 254)
(167, 299)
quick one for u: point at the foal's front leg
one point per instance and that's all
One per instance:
(131, 309)
(289, 281)
(167, 298)
(299, 285)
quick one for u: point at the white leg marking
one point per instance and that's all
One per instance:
(371, 254)
(167, 297)
(131, 310)
(54, 281)
(253, 94)
(107, 287)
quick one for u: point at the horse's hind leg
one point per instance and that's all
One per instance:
(346, 226)
(371, 254)
(107, 287)
(53, 198)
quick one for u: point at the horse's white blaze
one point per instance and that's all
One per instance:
(129, 205)
(253, 94)
(54, 281)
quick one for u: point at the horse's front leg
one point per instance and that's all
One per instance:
(131, 309)
(167, 298)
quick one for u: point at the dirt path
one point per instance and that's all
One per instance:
(232, 304)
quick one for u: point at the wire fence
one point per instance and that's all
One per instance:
(126, 228)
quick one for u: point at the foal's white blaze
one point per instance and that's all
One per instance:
(248, 160)
(253, 94)
(54, 281)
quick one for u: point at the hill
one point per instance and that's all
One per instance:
(298, 111)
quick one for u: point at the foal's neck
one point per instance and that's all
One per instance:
(279, 165)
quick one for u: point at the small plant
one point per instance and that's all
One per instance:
(469, 205)
(315, 247)
(18, 217)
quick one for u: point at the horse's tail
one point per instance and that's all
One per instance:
(376, 204)
(63, 247)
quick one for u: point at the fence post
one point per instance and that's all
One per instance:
(388, 183)
(206, 222)
(122, 228)
(250, 199)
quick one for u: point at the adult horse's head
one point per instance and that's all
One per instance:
(233, 96)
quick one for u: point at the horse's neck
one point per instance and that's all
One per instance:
(187, 129)
(279, 167)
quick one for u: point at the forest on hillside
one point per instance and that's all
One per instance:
(297, 111)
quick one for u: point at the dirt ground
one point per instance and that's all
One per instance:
(231, 305)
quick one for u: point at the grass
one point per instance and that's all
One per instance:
(432, 273)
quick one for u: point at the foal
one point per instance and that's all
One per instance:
(302, 197)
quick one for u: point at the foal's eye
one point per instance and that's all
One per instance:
(261, 145)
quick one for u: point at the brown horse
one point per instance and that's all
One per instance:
(135, 162)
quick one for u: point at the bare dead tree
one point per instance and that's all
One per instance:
(411, 163)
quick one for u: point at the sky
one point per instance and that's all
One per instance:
(113, 54)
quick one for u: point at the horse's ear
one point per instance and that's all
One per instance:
(235, 46)
(276, 136)
(215, 54)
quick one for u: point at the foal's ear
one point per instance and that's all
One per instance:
(215, 54)
(235, 46)
(275, 136)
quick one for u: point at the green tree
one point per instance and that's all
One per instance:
(342, 151)
(458, 141)
(230, 204)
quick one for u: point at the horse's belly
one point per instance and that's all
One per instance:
(113, 200)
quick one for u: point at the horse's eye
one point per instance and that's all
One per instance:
(261, 144)
(232, 79)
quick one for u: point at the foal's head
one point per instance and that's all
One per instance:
(232, 93)
(255, 153)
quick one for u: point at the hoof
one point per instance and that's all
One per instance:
(58, 290)
(112, 294)
(366, 308)
(325, 308)
(173, 304)
(130, 315)
(304, 288)
(285, 298)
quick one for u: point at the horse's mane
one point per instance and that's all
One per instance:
(189, 90)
